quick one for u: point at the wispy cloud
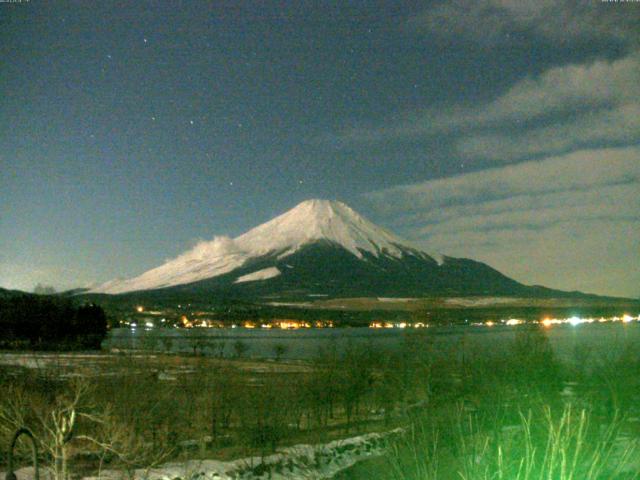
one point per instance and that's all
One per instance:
(494, 22)
(564, 108)
(567, 216)
(584, 105)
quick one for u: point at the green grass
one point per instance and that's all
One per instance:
(509, 413)
(562, 443)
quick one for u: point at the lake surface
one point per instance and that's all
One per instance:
(570, 343)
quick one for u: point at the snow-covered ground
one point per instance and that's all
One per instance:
(38, 360)
(322, 461)
(302, 461)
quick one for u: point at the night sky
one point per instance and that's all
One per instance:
(504, 131)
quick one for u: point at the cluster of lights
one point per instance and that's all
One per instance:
(397, 325)
(287, 324)
(294, 324)
(548, 322)
(281, 324)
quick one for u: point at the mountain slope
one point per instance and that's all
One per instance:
(318, 249)
(309, 222)
(324, 269)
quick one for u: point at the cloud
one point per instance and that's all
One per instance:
(578, 171)
(564, 89)
(563, 109)
(599, 96)
(617, 126)
(495, 22)
(584, 105)
(568, 221)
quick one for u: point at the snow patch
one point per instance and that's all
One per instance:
(392, 299)
(439, 258)
(322, 461)
(479, 301)
(290, 304)
(263, 274)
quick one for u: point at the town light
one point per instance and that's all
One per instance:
(575, 321)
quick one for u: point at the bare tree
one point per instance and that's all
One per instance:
(69, 418)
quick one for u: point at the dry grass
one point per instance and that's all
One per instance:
(469, 416)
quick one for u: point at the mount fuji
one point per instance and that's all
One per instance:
(319, 248)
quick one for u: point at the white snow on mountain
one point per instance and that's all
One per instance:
(205, 260)
(310, 221)
(263, 274)
(320, 220)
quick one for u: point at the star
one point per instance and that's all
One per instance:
(153, 119)
(191, 122)
(145, 40)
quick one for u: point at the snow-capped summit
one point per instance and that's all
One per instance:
(314, 220)
(309, 222)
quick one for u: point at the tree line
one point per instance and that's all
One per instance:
(50, 322)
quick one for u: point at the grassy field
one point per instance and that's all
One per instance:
(516, 414)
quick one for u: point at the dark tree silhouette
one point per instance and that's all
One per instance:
(50, 322)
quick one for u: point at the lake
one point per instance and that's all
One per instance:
(570, 343)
